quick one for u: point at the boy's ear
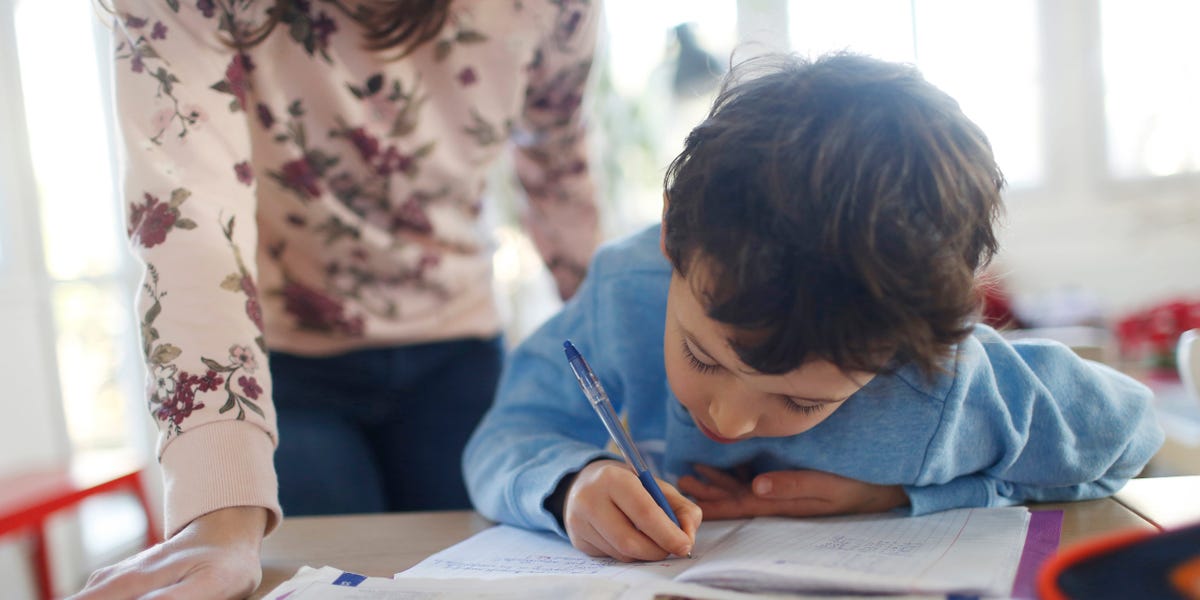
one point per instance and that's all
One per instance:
(662, 228)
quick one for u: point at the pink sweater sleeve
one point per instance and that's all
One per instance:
(551, 158)
(191, 218)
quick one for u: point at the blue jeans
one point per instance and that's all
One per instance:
(382, 429)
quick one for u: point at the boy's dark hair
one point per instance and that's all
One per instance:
(839, 209)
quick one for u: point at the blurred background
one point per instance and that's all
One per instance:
(1092, 106)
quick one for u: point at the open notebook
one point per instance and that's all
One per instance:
(968, 551)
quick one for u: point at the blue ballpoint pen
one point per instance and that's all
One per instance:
(599, 400)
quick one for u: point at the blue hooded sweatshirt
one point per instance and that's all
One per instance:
(1008, 423)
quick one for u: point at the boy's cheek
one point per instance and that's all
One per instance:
(681, 382)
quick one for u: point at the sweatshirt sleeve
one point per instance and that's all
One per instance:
(551, 156)
(539, 429)
(181, 94)
(1032, 422)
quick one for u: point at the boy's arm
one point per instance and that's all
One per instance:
(540, 430)
(1032, 422)
(793, 493)
(535, 452)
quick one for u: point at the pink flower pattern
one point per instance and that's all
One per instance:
(152, 220)
(369, 163)
(244, 173)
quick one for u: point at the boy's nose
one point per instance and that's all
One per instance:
(731, 420)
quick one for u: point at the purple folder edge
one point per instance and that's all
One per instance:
(1041, 541)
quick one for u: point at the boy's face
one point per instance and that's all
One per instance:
(730, 401)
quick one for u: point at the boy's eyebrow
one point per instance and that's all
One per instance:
(691, 338)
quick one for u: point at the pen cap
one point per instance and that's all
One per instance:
(583, 373)
(597, 397)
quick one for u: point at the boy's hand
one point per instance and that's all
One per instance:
(798, 493)
(608, 513)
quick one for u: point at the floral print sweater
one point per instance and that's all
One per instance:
(307, 195)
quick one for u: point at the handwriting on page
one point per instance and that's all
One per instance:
(966, 550)
(950, 550)
(880, 546)
(530, 564)
(505, 551)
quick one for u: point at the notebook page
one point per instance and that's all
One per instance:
(966, 550)
(506, 551)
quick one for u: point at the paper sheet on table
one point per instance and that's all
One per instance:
(328, 583)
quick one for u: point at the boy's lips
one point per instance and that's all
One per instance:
(712, 436)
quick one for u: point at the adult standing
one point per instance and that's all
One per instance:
(305, 180)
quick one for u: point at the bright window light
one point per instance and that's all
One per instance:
(982, 52)
(1151, 60)
(83, 241)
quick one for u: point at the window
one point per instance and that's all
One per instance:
(1089, 106)
(659, 69)
(984, 53)
(71, 390)
(1151, 59)
(86, 261)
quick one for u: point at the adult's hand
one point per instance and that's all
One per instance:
(798, 493)
(215, 556)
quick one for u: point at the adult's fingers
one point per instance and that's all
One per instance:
(133, 577)
(203, 584)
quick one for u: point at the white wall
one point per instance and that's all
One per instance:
(1128, 242)
(1128, 252)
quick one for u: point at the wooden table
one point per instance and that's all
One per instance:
(1166, 502)
(384, 544)
(379, 545)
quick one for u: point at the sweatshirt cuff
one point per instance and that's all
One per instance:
(531, 490)
(966, 491)
(219, 465)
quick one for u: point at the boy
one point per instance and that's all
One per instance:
(811, 295)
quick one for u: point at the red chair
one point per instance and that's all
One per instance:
(28, 499)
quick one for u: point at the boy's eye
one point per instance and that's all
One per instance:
(804, 409)
(696, 363)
